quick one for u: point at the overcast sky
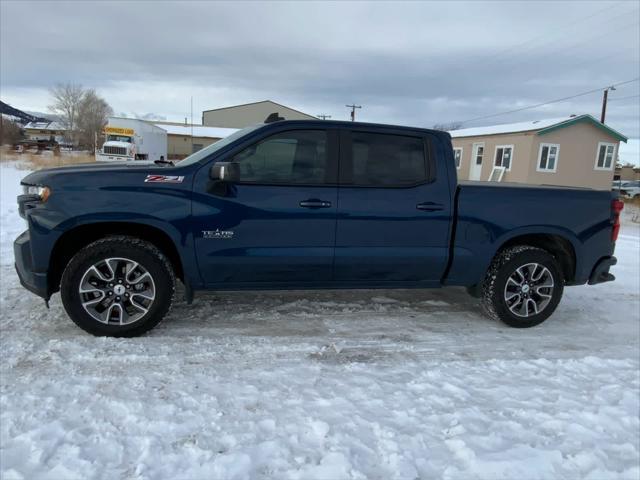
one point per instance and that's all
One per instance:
(417, 63)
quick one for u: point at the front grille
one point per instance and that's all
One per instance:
(115, 150)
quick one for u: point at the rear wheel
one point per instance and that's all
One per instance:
(522, 287)
(118, 286)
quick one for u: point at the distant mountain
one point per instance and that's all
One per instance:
(142, 116)
(17, 114)
(51, 116)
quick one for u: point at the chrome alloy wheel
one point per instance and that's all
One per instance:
(117, 291)
(529, 290)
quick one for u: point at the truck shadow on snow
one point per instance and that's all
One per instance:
(363, 326)
(339, 326)
(331, 327)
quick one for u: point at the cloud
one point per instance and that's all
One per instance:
(416, 63)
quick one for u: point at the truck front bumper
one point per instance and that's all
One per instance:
(35, 282)
(100, 157)
(600, 272)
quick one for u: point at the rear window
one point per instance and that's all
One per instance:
(387, 160)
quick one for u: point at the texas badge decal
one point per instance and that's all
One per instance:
(164, 179)
(218, 234)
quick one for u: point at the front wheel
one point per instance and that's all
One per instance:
(522, 287)
(118, 286)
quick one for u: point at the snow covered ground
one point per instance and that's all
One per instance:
(323, 385)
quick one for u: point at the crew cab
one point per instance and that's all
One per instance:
(305, 205)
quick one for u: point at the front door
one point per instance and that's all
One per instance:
(393, 220)
(277, 224)
(477, 154)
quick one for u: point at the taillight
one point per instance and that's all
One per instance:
(616, 207)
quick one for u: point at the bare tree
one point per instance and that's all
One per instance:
(82, 112)
(10, 132)
(447, 127)
(66, 102)
(93, 113)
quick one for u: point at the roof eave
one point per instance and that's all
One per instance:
(518, 132)
(581, 119)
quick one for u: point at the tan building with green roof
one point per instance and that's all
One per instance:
(576, 151)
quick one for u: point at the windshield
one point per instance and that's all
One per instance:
(118, 138)
(214, 147)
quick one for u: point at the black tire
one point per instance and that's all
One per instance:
(504, 265)
(140, 251)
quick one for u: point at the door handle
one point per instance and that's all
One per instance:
(315, 203)
(429, 207)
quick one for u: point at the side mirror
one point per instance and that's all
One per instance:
(225, 172)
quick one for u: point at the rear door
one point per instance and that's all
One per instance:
(393, 216)
(277, 225)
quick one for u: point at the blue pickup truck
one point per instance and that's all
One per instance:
(305, 205)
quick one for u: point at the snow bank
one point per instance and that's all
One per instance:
(324, 385)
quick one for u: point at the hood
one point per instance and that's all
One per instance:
(48, 176)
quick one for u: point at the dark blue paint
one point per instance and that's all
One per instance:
(273, 236)
(362, 237)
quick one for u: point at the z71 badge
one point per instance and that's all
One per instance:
(217, 233)
(164, 179)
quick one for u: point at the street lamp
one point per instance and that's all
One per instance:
(604, 102)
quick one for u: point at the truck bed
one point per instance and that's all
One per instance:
(490, 215)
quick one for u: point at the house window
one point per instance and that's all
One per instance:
(548, 157)
(604, 159)
(504, 155)
(457, 156)
(196, 147)
(479, 154)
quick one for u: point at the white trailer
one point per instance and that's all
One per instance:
(133, 140)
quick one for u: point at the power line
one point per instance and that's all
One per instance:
(562, 30)
(550, 101)
(590, 39)
(601, 22)
(623, 98)
(559, 31)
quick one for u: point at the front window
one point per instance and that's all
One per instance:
(504, 155)
(214, 147)
(297, 157)
(604, 160)
(548, 157)
(457, 156)
(118, 138)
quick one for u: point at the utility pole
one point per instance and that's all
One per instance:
(605, 96)
(353, 111)
(323, 116)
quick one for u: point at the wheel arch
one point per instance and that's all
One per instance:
(562, 249)
(71, 241)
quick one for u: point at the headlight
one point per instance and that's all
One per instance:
(39, 190)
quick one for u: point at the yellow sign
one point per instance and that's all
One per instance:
(119, 131)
